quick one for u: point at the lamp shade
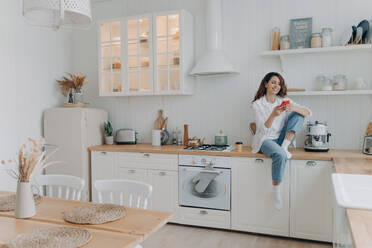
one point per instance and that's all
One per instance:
(58, 13)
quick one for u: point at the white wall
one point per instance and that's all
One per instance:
(30, 60)
(223, 102)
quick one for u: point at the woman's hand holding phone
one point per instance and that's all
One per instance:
(278, 110)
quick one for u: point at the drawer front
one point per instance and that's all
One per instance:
(205, 217)
(311, 163)
(147, 160)
(132, 174)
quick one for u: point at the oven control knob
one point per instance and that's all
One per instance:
(211, 163)
(203, 161)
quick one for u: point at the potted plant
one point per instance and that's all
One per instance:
(109, 139)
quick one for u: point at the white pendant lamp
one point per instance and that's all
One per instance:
(58, 13)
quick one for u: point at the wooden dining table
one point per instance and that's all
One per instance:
(128, 231)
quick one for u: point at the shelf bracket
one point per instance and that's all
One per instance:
(281, 63)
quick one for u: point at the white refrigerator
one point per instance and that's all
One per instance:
(74, 130)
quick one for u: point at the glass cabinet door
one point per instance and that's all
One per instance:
(167, 71)
(139, 55)
(110, 58)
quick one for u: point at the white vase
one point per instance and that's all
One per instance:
(109, 140)
(25, 204)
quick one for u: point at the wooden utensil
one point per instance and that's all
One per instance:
(295, 89)
(186, 135)
(369, 129)
(164, 124)
(159, 121)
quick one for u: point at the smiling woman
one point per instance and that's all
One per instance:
(277, 120)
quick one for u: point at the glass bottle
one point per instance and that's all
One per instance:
(284, 42)
(326, 37)
(275, 38)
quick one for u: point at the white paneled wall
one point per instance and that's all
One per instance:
(223, 102)
(31, 59)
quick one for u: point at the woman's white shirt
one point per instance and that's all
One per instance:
(262, 110)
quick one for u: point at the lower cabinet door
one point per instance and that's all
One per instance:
(165, 191)
(311, 200)
(102, 167)
(132, 174)
(252, 198)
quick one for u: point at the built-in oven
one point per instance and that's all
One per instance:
(204, 181)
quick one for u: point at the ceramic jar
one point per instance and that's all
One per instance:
(316, 40)
(284, 42)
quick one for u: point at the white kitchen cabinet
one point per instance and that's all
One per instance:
(157, 54)
(165, 191)
(311, 200)
(110, 56)
(252, 198)
(173, 53)
(132, 174)
(102, 167)
(138, 55)
(159, 170)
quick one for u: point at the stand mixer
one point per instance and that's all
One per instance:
(317, 137)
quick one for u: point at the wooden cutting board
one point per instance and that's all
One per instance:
(369, 129)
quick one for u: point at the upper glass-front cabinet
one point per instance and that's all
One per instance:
(157, 54)
(110, 58)
(139, 55)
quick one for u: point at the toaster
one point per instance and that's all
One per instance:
(367, 145)
(126, 136)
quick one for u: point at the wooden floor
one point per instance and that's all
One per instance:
(177, 236)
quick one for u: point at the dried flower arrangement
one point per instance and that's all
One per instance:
(30, 159)
(74, 81)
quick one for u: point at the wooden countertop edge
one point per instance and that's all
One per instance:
(298, 153)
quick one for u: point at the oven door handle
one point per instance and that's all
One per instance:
(210, 171)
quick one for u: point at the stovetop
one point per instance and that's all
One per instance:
(208, 147)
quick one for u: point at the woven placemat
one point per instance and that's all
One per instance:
(95, 214)
(8, 202)
(56, 237)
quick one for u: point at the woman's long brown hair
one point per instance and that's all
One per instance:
(262, 90)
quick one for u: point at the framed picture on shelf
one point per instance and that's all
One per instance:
(300, 32)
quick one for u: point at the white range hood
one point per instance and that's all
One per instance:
(214, 60)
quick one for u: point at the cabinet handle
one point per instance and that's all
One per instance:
(132, 171)
(203, 212)
(259, 160)
(146, 155)
(162, 173)
(103, 153)
(310, 163)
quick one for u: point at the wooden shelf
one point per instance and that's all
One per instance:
(330, 93)
(366, 47)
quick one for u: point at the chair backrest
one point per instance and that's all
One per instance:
(252, 127)
(123, 192)
(61, 186)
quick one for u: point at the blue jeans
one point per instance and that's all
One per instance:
(273, 149)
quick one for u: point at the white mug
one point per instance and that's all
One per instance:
(156, 137)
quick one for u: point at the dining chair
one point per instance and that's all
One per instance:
(65, 186)
(124, 192)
